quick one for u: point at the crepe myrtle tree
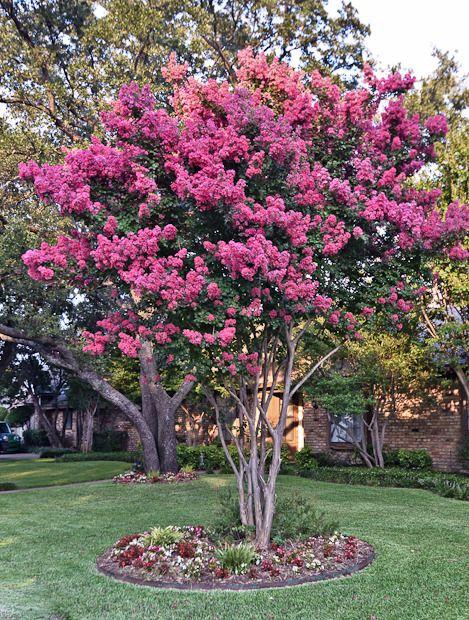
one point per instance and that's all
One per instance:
(240, 218)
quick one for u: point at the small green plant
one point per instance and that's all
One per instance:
(227, 511)
(187, 469)
(305, 460)
(464, 452)
(408, 459)
(227, 526)
(296, 518)
(163, 537)
(237, 558)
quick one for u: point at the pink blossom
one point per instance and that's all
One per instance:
(226, 335)
(194, 337)
(265, 184)
(213, 291)
(437, 125)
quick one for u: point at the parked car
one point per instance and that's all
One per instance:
(9, 441)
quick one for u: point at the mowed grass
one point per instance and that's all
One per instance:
(49, 541)
(46, 472)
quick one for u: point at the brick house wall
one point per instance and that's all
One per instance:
(436, 422)
(115, 421)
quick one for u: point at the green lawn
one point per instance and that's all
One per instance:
(46, 472)
(49, 540)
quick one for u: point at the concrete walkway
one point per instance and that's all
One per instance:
(19, 456)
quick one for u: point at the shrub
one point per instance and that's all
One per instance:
(127, 457)
(12, 445)
(447, 485)
(296, 518)
(226, 467)
(214, 457)
(228, 523)
(110, 441)
(209, 458)
(188, 456)
(464, 452)
(34, 438)
(237, 558)
(408, 459)
(163, 536)
(286, 464)
(305, 459)
(50, 453)
(7, 486)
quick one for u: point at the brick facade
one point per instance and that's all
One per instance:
(436, 422)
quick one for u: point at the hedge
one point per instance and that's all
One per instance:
(128, 457)
(110, 441)
(212, 458)
(8, 486)
(51, 453)
(447, 485)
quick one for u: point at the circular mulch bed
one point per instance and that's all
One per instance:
(293, 563)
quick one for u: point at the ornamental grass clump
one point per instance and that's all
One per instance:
(163, 536)
(237, 558)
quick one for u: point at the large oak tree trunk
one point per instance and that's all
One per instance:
(160, 408)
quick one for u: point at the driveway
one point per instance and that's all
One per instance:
(18, 456)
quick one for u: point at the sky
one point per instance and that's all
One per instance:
(406, 31)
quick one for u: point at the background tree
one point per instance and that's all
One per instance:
(85, 401)
(26, 382)
(361, 395)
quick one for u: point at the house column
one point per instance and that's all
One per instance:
(300, 428)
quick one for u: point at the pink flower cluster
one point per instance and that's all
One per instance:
(269, 200)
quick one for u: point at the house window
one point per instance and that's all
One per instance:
(346, 429)
(69, 420)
